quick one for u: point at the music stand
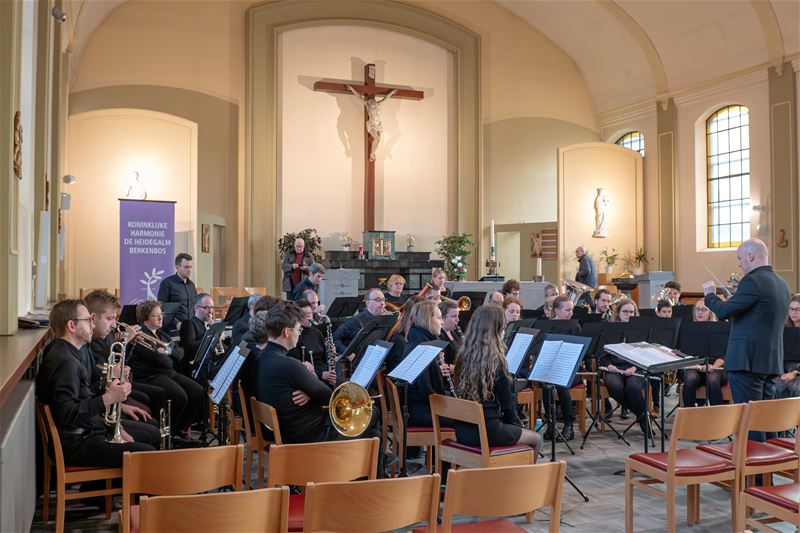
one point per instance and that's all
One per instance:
(372, 361)
(344, 306)
(556, 365)
(222, 382)
(407, 373)
(128, 315)
(377, 328)
(513, 327)
(791, 344)
(207, 344)
(236, 310)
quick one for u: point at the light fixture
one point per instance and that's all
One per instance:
(69, 179)
(58, 14)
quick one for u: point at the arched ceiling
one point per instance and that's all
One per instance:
(628, 51)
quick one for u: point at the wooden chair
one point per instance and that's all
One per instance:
(176, 472)
(67, 475)
(577, 394)
(266, 415)
(320, 462)
(250, 437)
(387, 417)
(504, 491)
(376, 505)
(780, 502)
(252, 511)
(727, 397)
(688, 466)
(256, 290)
(483, 456)
(784, 442)
(527, 398)
(415, 435)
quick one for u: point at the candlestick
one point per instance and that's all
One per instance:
(538, 266)
(492, 247)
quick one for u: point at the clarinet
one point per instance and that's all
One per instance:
(449, 378)
(330, 345)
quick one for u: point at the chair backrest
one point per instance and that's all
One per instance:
(256, 511)
(375, 505)
(504, 491)
(711, 422)
(300, 464)
(767, 415)
(250, 437)
(173, 472)
(396, 408)
(265, 414)
(461, 410)
(49, 436)
(256, 290)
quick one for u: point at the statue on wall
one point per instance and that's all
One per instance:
(374, 126)
(136, 188)
(601, 202)
(536, 245)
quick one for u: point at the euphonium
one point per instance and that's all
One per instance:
(350, 409)
(464, 303)
(115, 370)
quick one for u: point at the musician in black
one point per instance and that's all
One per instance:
(712, 376)
(511, 288)
(178, 288)
(438, 278)
(395, 285)
(64, 383)
(664, 309)
(242, 324)
(375, 305)
(311, 345)
(398, 338)
(620, 379)
(482, 376)
(450, 331)
(193, 329)
(674, 292)
(156, 365)
(602, 304)
(310, 283)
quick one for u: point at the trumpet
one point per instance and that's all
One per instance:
(115, 370)
(144, 340)
(164, 426)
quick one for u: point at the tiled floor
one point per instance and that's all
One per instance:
(592, 469)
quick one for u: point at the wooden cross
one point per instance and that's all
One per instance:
(369, 91)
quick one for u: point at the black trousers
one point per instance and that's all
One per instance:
(144, 432)
(713, 381)
(186, 394)
(567, 412)
(627, 391)
(746, 386)
(156, 397)
(93, 450)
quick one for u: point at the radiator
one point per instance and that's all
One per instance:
(18, 459)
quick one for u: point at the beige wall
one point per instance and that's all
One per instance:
(321, 135)
(105, 147)
(582, 169)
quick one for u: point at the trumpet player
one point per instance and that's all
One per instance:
(153, 363)
(193, 329)
(64, 383)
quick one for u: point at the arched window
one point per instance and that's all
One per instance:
(728, 176)
(633, 140)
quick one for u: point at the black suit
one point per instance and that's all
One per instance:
(176, 290)
(755, 347)
(192, 332)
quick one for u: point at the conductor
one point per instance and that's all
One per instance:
(757, 312)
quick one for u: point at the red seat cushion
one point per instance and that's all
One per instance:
(297, 505)
(423, 429)
(134, 519)
(758, 453)
(786, 496)
(494, 450)
(489, 526)
(688, 462)
(783, 442)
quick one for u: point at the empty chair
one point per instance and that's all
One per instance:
(779, 502)
(253, 511)
(263, 415)
(375, 505)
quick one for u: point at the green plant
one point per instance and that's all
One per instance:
(454, 250)
(610, 259)
(309, 235)
(640, 257)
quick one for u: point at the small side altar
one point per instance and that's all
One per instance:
(416, 267)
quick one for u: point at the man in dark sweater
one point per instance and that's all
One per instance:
(178, 288)
(315, 274)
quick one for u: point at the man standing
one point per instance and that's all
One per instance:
(295, 265)
(587, 271)
(178, 288)
(193, 329)
(757, 312)
(315, 274)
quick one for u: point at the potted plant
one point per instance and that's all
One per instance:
(609, 259)
(454, 250)
(639, 261)
(309, 235)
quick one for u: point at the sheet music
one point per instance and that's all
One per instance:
(516, 353)
(556, 362)
(370, 364)
(417, 361)
(643, 354)
(219, 385)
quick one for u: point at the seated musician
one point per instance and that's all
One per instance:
(241, 326)
(674, 292)
(395, 284)
(398, 337)
(787, 385)
(193, 329)
(496, 298)
(311, 345)
(375, 305)
(104, 307)
(512, 308)
(714, 377)
(482, 376)
(550, 291)
(437, 282)
(313, 300)
(433, 295)
(664, 309)
(602, 304)
(157, 367)
(625, 387)
(310, 283)
(547, 306)
(63, 383)
(510, 288)
(285, 383)
(425, 325)
(451, 333)
(562, 310)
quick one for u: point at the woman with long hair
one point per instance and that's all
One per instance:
(787, 385)
(482, 376)
(713, 377)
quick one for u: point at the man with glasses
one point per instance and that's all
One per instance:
(178, 288)
(193, 329)
(64, 383)
(375, 305)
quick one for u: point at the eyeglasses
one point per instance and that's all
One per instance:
(377, 299)
(82, 318)
(206, 307)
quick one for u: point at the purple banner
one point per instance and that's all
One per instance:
(146, 248)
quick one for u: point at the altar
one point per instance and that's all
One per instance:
(415, 267)
(531, 293)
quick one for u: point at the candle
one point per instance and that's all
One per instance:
(538, 266)
(491, 235)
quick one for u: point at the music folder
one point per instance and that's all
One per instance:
(559, 359)
(210, 340)
(418, 360)
(523, 341)
(224, 378)
(371, 363)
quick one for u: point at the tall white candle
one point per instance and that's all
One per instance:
(538, 266)
(493, 252)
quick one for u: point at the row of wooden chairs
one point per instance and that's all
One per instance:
(729, 465)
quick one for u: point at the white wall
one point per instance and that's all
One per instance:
(321, 167)
(693, 110)
(104, 148)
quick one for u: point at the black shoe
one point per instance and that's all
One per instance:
(625, 413)
(548, 434)
(567, 433)
(179, 442)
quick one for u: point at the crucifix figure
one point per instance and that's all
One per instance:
(368, 93)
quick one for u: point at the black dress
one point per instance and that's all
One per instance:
(503, 426)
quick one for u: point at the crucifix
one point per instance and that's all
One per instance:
(367, 93)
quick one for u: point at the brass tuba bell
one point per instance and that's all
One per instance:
(464, 303)
(350, 409)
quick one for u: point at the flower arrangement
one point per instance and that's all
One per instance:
(309, 235)
(454, 250)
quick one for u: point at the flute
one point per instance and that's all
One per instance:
(622, 372)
